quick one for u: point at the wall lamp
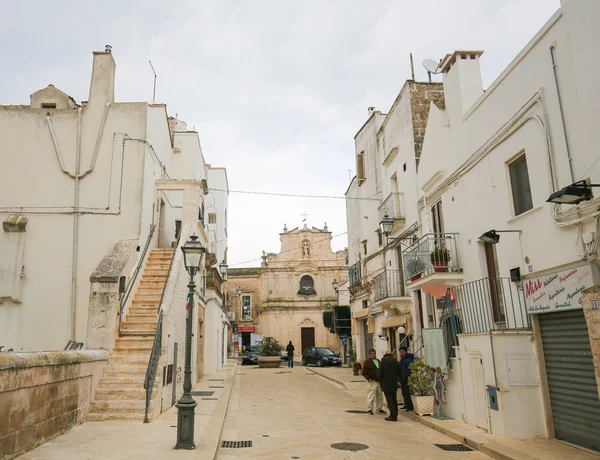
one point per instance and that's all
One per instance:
(386, 225)
(573, 194)
(492, 236)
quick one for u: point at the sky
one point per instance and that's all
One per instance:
(276, 89)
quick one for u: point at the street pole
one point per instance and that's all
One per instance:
(186, 405)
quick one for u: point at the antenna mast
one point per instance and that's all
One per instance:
(154, 89)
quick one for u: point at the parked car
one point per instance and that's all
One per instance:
(320, 357)
(250, 356)
(284, 355)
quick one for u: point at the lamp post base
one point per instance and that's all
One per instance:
(185, 424)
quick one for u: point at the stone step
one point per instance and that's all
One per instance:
(119, 405)
(125, 369)
(147, 328)
(142, 315)
(105, 394)
(126, 380)
(146, 303)
(129, 360)
(155, 272)
(149, 277)
(128, 340)
(102, 416)
(149, 297)
(149, 291)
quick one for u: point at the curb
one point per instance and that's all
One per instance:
(327, 377)
(211, 438)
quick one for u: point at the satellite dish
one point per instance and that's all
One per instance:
(431, 66)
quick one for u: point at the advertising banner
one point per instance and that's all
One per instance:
(557, 291)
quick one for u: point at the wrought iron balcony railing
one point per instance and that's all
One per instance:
(388, 284)
(393, 207)
(354, 274)
(434, 252)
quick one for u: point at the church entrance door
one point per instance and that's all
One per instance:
(308, 337)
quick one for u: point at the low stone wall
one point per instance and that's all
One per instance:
(43, 394)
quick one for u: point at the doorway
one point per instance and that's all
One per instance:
(491, 263)
(246, 340)
(308, 337)
(479, 391)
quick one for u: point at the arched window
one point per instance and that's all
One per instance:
(307, 286)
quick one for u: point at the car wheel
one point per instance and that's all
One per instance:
(304, 361)
(319, 363)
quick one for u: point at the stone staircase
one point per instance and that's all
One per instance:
(120, 393)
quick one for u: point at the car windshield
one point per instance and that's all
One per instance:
(326, 351)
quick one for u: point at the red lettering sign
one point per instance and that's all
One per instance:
(532, 287)
(245, 329)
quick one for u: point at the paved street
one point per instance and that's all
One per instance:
(293, 413)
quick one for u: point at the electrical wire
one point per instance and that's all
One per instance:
(327, 197)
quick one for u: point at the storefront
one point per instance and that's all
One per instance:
(555, 300)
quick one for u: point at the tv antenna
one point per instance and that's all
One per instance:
(432, 67)
(154, 89)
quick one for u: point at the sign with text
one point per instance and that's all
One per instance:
(557, 291)
(245, 329)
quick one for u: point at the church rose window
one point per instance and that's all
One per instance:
(307, 286)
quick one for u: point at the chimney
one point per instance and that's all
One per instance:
(102, 86)
(462, 80)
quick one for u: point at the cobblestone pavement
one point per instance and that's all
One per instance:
(293, 413)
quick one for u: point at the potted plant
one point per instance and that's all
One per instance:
(270, 354)
(356, 367)
(421, 381)
(414, 268)
(440, 258)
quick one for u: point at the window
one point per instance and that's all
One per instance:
(364, 245)
(438, 218)
(519, 182)
(307, 286)
(212, 218)
(177, 229)
(201, 213)
(246, 312)
(379, 238)
(360, 167)
(404, 167)
(48, 105)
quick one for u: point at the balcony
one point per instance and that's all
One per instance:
(354, 275)
(390, 293)
(393, 207)
(432, 264)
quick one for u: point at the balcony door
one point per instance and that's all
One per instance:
(494, 283)
(438, 219)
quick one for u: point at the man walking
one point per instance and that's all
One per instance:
(290, 354)
(389, 374)
(369, 372)
(406, 359)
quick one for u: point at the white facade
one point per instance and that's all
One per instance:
(469, 165)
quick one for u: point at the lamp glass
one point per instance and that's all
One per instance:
(571, 195)
(239, 291)
(386, 225)
(193, 253)
(335, 284)
(223, 268)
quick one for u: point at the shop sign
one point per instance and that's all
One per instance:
(557, 291)
(245, 329)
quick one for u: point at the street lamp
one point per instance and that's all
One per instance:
(193, 255)
(386, 225)
(223, 268)
(335, 284)
(573, 194)
(239, 291)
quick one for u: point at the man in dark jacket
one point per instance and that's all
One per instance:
(389, 374)
(290, 354)
(374, 395)
(406, 359)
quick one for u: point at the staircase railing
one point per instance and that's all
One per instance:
(157, 345)
(153, 365)
(131, 283)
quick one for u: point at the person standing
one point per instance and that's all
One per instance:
(406, 359)
(374, 395)
(389, 374)
(290, 354)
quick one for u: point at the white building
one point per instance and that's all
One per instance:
(387, 150)
(511, 265)
(93, 196)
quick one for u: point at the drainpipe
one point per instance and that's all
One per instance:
(75, 230)
(562, 116)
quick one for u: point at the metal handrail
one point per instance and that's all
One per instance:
(134, 277)
(157, 344)
(153, 365)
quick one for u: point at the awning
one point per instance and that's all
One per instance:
(362, 314)
(394, 321)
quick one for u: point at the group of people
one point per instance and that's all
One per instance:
(384, 376)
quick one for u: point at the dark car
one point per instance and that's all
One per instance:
(250, 356)
(320, 357)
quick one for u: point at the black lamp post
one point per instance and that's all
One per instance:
(193, 255)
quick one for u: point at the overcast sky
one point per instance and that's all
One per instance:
(276, 89)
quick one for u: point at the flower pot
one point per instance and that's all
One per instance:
(423, 404)
(269, 361)
(415, 277)
(440, 266)
(355, 372)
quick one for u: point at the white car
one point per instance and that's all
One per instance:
(283, 354)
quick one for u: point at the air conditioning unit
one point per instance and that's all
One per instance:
(231, 315)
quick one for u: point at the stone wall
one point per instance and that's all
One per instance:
(591, 309)
(43, 394)
(421, 96)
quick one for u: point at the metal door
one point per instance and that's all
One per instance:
(479, 391)
(368, 338)
(572, 384)
(308, 337)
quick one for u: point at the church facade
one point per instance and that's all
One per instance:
(286, 296)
